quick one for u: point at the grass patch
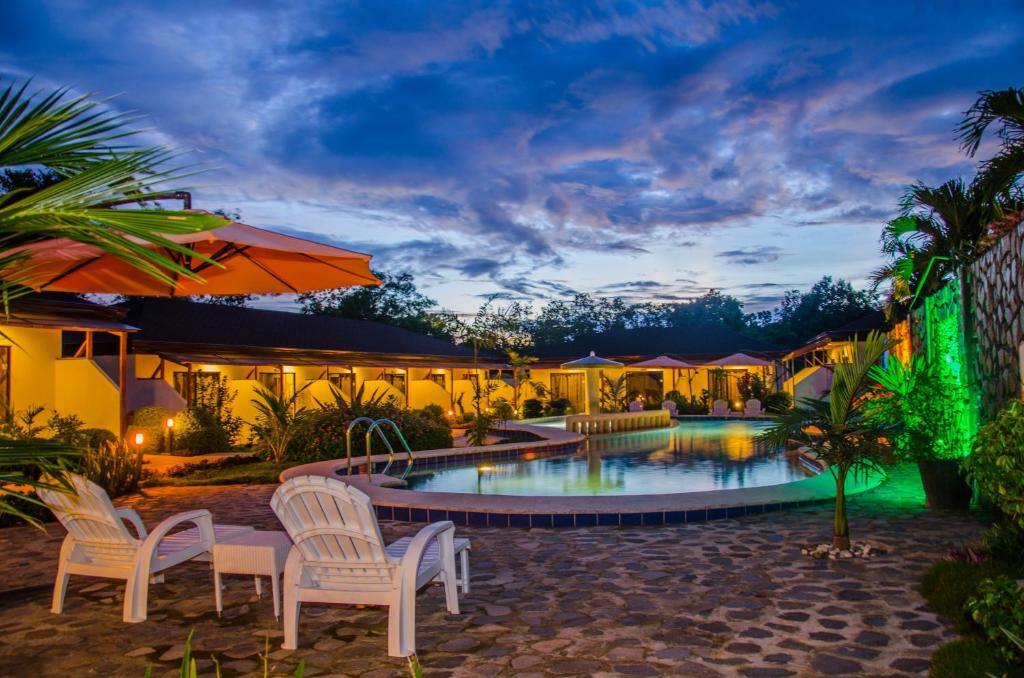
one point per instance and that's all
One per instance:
(970, 656)
(247, 473)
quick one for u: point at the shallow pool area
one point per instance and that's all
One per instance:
(693, 456)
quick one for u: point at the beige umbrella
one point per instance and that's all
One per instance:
(591, 366)
(665, 362)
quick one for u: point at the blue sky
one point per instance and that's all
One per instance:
(535, 149)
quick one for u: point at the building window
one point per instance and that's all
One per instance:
(190, 384)
(396, 380)
(272, 381)
(438, 379)
(341, 380)
(471, 376)
(505, 375)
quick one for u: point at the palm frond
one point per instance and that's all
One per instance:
(1005, 106)
(32, 464)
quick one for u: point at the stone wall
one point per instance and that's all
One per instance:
(996, 282)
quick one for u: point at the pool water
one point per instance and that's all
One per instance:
(691, 457)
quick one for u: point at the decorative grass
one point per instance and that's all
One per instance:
(247, 473)
(971, 656)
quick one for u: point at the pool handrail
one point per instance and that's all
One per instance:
(348, 442)
(376, 426)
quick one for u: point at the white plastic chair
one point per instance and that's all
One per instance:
(340, 557)
(636, 406)
(98, 543)
(720, 408)
(753, 408)
(671, 406)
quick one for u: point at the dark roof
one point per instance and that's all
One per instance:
(63, 311)
(692, 342)
(187, 331)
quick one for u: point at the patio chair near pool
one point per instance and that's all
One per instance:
(671, 406)
(339, 556)
(752, 408)
(98, 543)
(719, 408)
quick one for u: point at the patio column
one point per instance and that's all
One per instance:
(122, 379)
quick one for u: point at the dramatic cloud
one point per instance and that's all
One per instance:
(532, 150)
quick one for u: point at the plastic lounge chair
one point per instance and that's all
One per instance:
(720, 408)
(671, 406)
(339, 556)
(753, 408)
(636, 406)
(98, 543)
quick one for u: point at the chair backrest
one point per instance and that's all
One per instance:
(753, 406)
(335, 528)
(636, 406)
(670, 405)
(91, 519)
(720, 407)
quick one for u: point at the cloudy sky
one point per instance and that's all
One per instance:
(533, 149)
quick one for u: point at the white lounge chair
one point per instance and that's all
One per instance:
(98, 543)
(636, 406)
(671, 406)
(340, 557)
(719, 408)
(753, 408)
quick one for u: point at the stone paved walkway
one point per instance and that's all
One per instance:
(725, 598)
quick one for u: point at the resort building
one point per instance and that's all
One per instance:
(181, 344)
(48, 360)
(718, 360)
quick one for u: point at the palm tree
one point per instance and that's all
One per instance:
(839, 428)
(939, 231)
(1005, 109)
(85, 144)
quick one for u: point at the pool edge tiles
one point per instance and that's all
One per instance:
(554, 512)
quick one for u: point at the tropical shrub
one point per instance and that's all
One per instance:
(691, 405)
(532, 408)
(777, 402)
(151, 421)
(503, 410)
(322, 434)
(278, 421)
(436, 413)
(203, 431)
(1004, 542)
(22, 425)
(839, 430)
(997, 462)
(614, 394)
(67, 429)
(751, 385)
(114, 466)
(558, 407)
(998, 608)
(477, 433)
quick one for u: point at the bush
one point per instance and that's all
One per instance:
(113, 466)
(503, 410)
(970, 656)
(67, 430)
(436, 413)
(997, 462)
(778, 402)
(1003, 542)
(204, 431)
(322, 435)
(691, 405)
(998, 608)
(94, 437)
(477, 433)
(558, 406)
(151, 421)
(532, 408)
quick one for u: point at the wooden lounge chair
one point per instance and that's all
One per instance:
(339, 556)
(720, 408)
(753, 408)
(98, 543)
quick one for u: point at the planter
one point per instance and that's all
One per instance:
(944, 487)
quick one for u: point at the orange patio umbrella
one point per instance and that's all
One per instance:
(251, 261)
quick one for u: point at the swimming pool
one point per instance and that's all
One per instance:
(691, 457)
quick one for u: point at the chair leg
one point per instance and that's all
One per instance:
(402, 624)
(136, 596)
(259, 587)
(218, 602)
(451, 590)
(60, 588)
(395, 627)
(291, 619)
(464, 556)
(275, 591)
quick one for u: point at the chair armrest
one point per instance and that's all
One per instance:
(202, 519)
(443, 531)
(132, 517)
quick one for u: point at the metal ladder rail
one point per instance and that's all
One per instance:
(348, 443)
(376, 426)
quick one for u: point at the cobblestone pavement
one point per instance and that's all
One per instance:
(724, 598)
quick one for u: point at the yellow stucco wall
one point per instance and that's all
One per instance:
(87, 391)
(34, 355)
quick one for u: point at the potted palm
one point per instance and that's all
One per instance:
(839, 429)
(926, 409)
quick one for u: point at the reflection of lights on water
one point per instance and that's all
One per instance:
(486, 469)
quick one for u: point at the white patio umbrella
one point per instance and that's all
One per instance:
(665, 362)
(739, 360)
(591, 366)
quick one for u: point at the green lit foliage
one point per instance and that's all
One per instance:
(997, 462)
(998, 608)
(927, 407)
